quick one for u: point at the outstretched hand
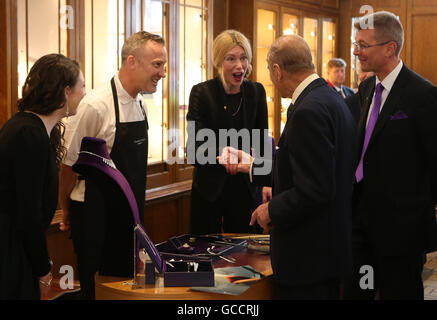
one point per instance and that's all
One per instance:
(235, 160)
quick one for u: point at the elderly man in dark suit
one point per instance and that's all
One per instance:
(309, 216)
(394, 221)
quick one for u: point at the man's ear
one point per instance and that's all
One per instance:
(130, 61)
(277, 72)
(391, 49)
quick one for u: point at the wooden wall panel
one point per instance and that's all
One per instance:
(167, 219)
(423, 3)
(331, 3)
(418, 17)
(5, 61)
(423, 46)
(239, 21)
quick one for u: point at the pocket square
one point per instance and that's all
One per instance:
(399, 116)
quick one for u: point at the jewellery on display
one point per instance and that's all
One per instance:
(106, 161)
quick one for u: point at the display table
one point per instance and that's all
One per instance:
(111, 288)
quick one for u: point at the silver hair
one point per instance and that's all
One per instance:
(387, 28)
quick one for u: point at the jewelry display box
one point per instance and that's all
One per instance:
(211, 246)
(177, 270)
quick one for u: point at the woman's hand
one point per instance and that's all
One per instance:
(64, 225)
(235, 160)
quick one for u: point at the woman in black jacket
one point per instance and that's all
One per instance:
(221, 202)
(30, 154)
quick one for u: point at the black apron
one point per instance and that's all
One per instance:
(129, 154)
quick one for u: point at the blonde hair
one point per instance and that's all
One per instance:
(224, 43)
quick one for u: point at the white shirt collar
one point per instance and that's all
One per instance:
(388, 82)
(123, 96)
(301, 87)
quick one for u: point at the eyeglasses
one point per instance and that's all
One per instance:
(361, 47)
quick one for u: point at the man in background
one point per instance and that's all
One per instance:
(336, 77)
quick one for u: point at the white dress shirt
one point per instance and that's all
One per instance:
(387, 83)
(95, 117)
(301, 87)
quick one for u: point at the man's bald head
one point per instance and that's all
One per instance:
(292, 54)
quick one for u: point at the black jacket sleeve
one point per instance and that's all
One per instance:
(30, 167)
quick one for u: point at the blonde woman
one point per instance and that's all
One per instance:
(222, 202)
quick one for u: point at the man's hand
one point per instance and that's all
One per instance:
(261, 215)
(235, 160)
(267, 194)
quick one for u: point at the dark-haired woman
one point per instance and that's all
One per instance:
(30, 153)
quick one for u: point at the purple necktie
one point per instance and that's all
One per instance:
(370, 125)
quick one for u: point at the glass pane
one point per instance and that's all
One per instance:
(311, 37)
(88, 67)
(266, 34)
(197, 3)
(37, 36)
(328, 45)
(106, 52)
(354, 60)
(157, 102)
(290, 24)
(43, 33)
(67, 21)
(192, 61)
(21, 44)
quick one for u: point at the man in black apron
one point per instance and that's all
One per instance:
(102, 226)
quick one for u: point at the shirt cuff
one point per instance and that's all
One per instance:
(250, 171)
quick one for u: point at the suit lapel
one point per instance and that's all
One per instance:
(390, 104)
(366, 95)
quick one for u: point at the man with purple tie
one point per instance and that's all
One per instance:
(395, 189)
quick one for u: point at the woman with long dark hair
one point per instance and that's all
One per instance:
(30, 154)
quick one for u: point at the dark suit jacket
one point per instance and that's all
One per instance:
(398, 193)
(346, 90)
(353, 102)
(311, 209)
(206, 110)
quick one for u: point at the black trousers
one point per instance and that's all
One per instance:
(385, 277)
(230, 213)
(326, 290)
(87, 264)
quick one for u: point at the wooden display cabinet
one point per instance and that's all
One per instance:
(315, 21)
